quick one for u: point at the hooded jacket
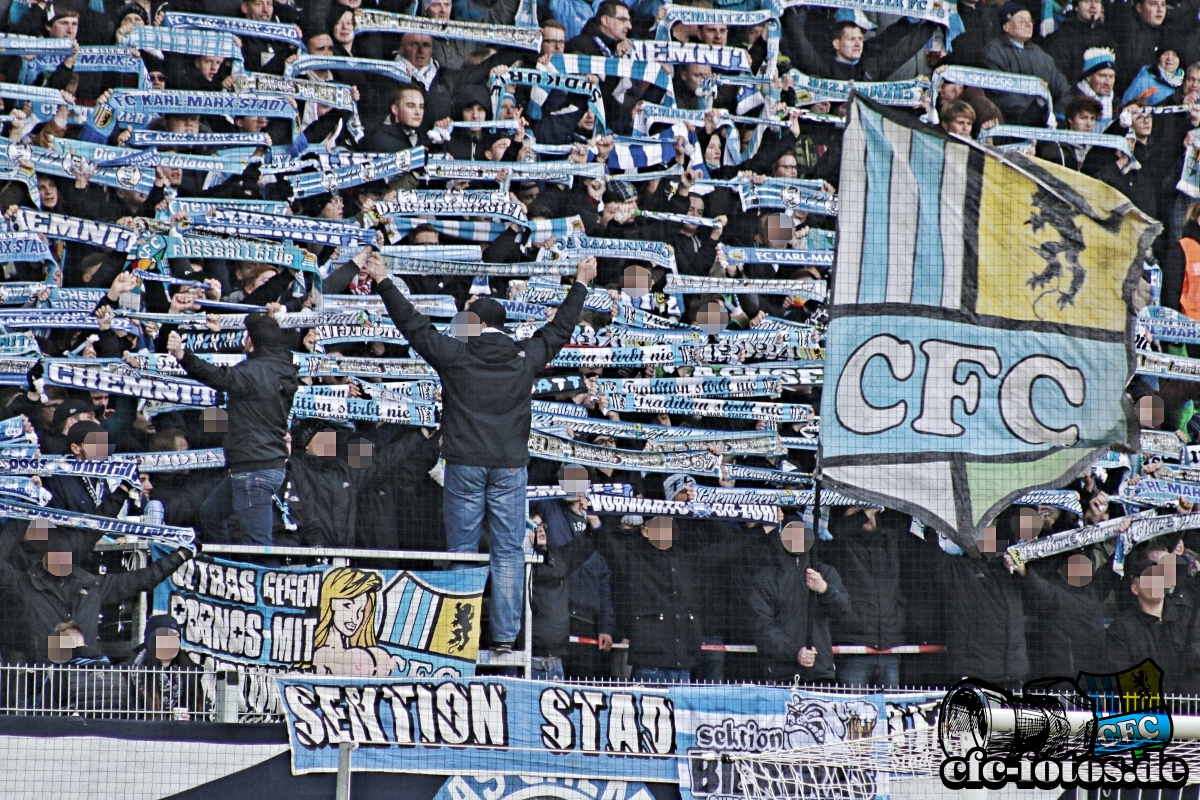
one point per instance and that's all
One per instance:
(985, 620)
(788, 616)
(1174, 265)
(48, 600)
(321, 500)
(569, 543)
(868, 563)
(1068, 621)
(486, 382)
(260, 391)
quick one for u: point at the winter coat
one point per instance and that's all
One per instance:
(486, 381)
(48, 600)
(1002, 55)
(260, 391)
(1067, 624)
(657, 607)
(1170, 641)
(984, 618)
(182, 494)
(887, 52)
(399, 505)
(71, 494)
(1068, 44)
(321, 500)
(550, 601)
(868, 563)
(390, 137)
(591, 594)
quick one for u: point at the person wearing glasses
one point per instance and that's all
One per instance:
(607, 34)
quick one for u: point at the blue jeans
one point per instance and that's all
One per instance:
(247, 494)
(661, 675)
(868, 670)
(469, 494)
(547, 669)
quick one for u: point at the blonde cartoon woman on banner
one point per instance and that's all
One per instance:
(345, 642)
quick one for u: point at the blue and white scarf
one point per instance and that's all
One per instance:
(389, 69)
(312, 406)
(175, 460)
(657, 253)
(554, 448)
(334, 95)
(191, 205)
(520, 37)
(643, 71)
(143, 138)
(123, 471)
(776, 194)
(141, 107)
(159, 40)
(18, 344)
(697, 284)
(90, 59)
(731, 59)
(44, 102)
(172, 536)
(992, 81)
(1070, 138)
(453, 203)
(265, 226)
(547, 82)
(481, 231)
(699, 16)
(72, 229)
(328, 366)
(714, 387)
(772, 413)
(663, 355)
(909, 94)
(823, 259)
(115, 379)
(413, 266)
(55, 318)
(237, 26)
(23, 490)
(21, 248)
(381, 167)
(130, 177)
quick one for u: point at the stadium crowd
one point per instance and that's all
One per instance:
(873, 578)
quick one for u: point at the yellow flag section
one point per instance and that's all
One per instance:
(1057, 251)
(980, 327)
(442, 618)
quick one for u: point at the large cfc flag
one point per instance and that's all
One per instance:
(980, 328)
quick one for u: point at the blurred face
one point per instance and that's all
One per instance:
(95, 446)
(1020, 27)
(787, 167)
(474, 113)
(617, 26)
(574, 481)
(261, 10)
(1082, 122)
(252, 124)
(797, 537)
(438, 9)
(343, 29)
(960, 125)
(1152, 12)
(660, 532)
(184, 124)
(849, 44)
(1150, 411)
(321, 45)
(409, 110)
(712, 317)
(497, 150)
(1151, 584)
(1090, 10)
(417, 50)
(57, 563)
(322, 445)
(554, 41)
(166, 644)
(209, 66)
(64, 28)
(714, 34)
(693, 74)
(713, 151)
(1102, 81)
(1143, 123)
(48, 192)
(1078, 570)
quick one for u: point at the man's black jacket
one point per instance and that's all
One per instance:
(47, 600)
(260, 391)
(486, 382)
(1170, 641)
(985, 620)
(788, 616)
(869, 565)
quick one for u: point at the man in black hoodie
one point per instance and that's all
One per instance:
(793, 601)
(260, 391)
(486, 382)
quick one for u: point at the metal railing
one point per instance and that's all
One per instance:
(103, 691)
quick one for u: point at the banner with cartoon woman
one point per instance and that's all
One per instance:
(327, 620)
